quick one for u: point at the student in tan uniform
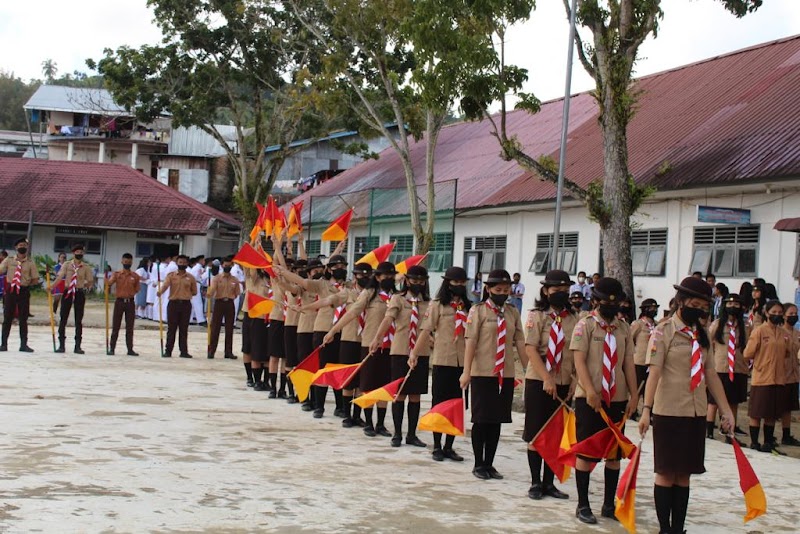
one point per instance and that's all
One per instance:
(247, 321)
(728, 338)
(314, 270)
(258, 283)
(445, 324)
(641, 329)
(577, 300)
(21, 276)
(603, 351)
(550, 374)
(404, 313)
(289, 334)
(182, 286)
(79, 280)
(792, 376)
(681, 368)
(225, 290)
(769, 347)
(755, 315)
(126, 285)
(493, 329)
(277, 322)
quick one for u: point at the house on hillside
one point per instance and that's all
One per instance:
(718, 139)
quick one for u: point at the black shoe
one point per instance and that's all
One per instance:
(26, 348)
(381, 431)
(307, 407)
(282, 395)
(60, 349)
(481, 473)
(292, 400)
(585, 515)
(110, 352)
(535, 492)
(710, 434)
(259, 386)
(186, 355)
(204, 324)
(773, 446)
(250, 383)
(756, 446)
(438, 455)
(165, 355)
(369, 431)
(347, 423)
(231, 357)
(132, 353)
(273, 394)
(554, 492)
(493, 473)
(317, 413)
(79, 350)
(415, 441)
(397, 440)
(359, 422)
(3, 348)
(338, 412)
(739, 432)
(450, 454)
(791, 441)
(608, 512)
(210, 355)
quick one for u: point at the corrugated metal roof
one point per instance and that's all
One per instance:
(99, 195)
(193, 141)
(74, 100)
(731, 118)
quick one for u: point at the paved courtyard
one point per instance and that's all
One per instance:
(96, 443)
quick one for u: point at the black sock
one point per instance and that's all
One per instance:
(582, 483)
(356, 411)
(769, 433)
(492, 439)
(663, 497)
(754, 434)
(282, 388)
(478, 443)
(787, 433)
(257, 374)
(680, 504)
(710, 428)
(346, 403)
(413, 417)
(322, 392)
(437, 440)
(535, 465)
(290, 384)
(337, 395)
(611, 480)
(548, 478)
(381, 416)
(368, 417)
(398, 407)
(448, 442)
(273, 378)
(248, 368)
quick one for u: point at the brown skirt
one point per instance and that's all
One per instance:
(679, 445)
(376, 372)
(276, 346)
(417, 383)
(735, 392)
(539, 406)
(290, 345)
(490, 403)
(259, 340)
(793, 397)
(589, 422)
(767, 402)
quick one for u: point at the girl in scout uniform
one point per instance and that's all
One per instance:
(550, 373)
(306, 319)
(681, 366)
(755, 315)
(257, 282)
(792, 375)
(445, 323)
(290, 333)
(603, 352)
(641, 329)
(492, 330)
(404, 313)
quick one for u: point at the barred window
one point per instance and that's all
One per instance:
(726, 250)
(649, 252)
(483, 254)
(440, 255)
(403, 248)
(567, 253)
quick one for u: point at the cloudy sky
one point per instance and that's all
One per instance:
(69, 32)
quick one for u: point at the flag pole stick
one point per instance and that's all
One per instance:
(50, 305)
(545, 424)
(105, 298)
(360, 365)
(403, 383)
(160, 313)
(634, 459)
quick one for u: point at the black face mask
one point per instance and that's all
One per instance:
(387, 284)
(339, 274)
(734, 312)
(791, 320)
(691, 316)
(559, 299)
(362, 282)
(317, 276)
(498, 300)
(417, 289)
(577, 304)
(626, 311)
(22, 250)
(182, 267)
(227, 269)
(608, 311)
(458, 291)
(78, 256)
(650, 313)
(302, 273)
(126, 266)
(776, 319)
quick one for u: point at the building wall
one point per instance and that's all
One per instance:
(60, 151)
(317, 157)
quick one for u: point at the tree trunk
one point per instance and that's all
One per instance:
(433, 127)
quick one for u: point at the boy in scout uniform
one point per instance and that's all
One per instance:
(225, 290)
(78, 279)
(127, 286)
(182, 287)
(21, 275)
(641, 329)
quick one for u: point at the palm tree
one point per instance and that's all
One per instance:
(49, 69)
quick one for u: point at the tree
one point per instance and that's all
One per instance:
(49, 69)
(13, 95)
(242, 60)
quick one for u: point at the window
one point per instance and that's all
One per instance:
(66, 238)
(10, 233)
(335, 244)
(403, 248)
(483, 254)
(313, 247)
(364, 245)
(649, 252)
(440, 255)
(726, 250)
(567, 253)
(174, 179)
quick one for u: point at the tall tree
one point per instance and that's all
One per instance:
(13, 95)
(49, 69)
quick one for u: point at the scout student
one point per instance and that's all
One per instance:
(21, 275)
(681, 372)
(641, 329)
(493, 328)
(224, 289)
(126, 284)
(181, 287)
(258, 282)
(549, 376)
(792, 375)
(603, 353)
(78, 279)
(577, 301)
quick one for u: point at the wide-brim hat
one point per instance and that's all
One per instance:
(385, 267)
(455, 273)
(338, 258)
(649, 303)
(733, 297)
(77, 246)
(417, 272)
(608, 289)
(694, 287)
(362, 268)
(498, 276)
(21, 241)
(577, 295)
(314, 264)
(556, 277)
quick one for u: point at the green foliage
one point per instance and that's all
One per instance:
(13, 94)
(549, 163)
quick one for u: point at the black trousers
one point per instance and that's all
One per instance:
(79, 301)
(178, 314)
(21, 303)
(222, 308)
(125, 307)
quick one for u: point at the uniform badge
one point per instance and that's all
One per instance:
(472, 312)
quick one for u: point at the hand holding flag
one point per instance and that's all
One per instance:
(337, 231)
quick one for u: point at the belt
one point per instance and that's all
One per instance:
(124, 299)
(224, 300)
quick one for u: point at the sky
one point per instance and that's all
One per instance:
(692, 30)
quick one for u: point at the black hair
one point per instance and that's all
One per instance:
(143, 263)
(746, 294)
(702, 334)
(543, 302)
(182, 257)
(741, 339)
(771, 304)
(723, 290)
(127, 256)
(770, 293)
(426, 292)
(759, 282)
(375, 285)
(445, 296)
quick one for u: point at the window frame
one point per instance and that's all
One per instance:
(495, 246)
(568, 246)
(724, 241)
(650, 241)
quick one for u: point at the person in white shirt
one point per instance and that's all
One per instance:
(238, 273)
(584, 288)
(517, 292)
(198, 270)
(141, 297)
(475, 292)
(171, 267)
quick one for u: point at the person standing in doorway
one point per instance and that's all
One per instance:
(78, 280)
(517, 292)
(476, 288)
(127, 287)
(21, 275)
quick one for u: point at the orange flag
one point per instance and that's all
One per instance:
(446, 418)
(386, 393)
(337, 231)
(295, 221)
(259, 223)
(754, 496)
(269, 216)
(258, 306)
(250, 258)
(625, 509)
(280, 220)
(548, 442)
(335, 375)
(621, 441)
(595, 446)
(302, 375)
(403, 266)
(378, 255)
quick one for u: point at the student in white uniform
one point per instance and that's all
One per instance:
(151, 312)
(198, 270)
(171, 267)
(238, 273)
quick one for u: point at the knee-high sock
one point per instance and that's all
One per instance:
(448, 442)
(356, 411)
(346, 403)
(478, 443)
(663, 498)
(398, 407)
(291, 387)
(548, 477)
(273, 378)
(680, 504)
(413, 417)
(582, 484)
(321, 393)
(754, 430)
(769, 433)
(611, 480)
(492, 440)
(535, 465)
(437, 440)
(282, 388)
(337, 395)
(368, 416)
(258, 374)
(248, 369)
(381, 416)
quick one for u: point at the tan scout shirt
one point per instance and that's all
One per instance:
(376, 311)
(256, 285)
(292, 316)
(640, 334)
(29, 276)
(182, 285)
(671, 350)
(85, 275)
(277, 313)
(440, 320)
(324, 289)
(224, 286)
(720, 350)
(482, 327)
(539, 324)
(399, 309)
(348, 296)
(305, 322)
(126, 282)
(769, 347)
(793, 365)
(588, 337)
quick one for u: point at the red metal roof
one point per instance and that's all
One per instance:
(731, 118)
(99, 195)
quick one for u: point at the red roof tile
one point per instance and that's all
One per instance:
(99, 195)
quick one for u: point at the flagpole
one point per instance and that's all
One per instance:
(403, 383)
(360, 365)
(105, 297)
(50, 305)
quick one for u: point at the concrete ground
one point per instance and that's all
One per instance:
(96, 443)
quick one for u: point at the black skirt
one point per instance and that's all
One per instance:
(679, 445)
(588, 422)
(490, 403)
(330, 352)
(445, 383)
(259, 340)
(735, 392)
(767, 402)
(305, 345)
(247, 346)
(641, 378)
(417, 383)
(349, 353)
(290, 345)
(539, 406)
(793, 397)
(376, 371)
(276, 348)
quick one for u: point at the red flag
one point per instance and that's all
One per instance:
(252, 259)
(446, 418)
(595, 446)
(754, 497)
(302, 375)
(295, 220)
(548, 443)
(280, 220)
(335, 375)
(337, 231)
(269, 216)
(386, 393)
(625, 509)
(621, 441)
(403, 266)
(258, 306)
(378, 255)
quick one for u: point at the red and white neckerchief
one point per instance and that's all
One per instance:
(650, 328)
(73, 281)
(413, 323)
(461, 320)
(751, 318)
(697, 373)
(338, 312)
(389, 336)
(610, 359)
(270, 294)
(500, 353)
(555, 344)
(285, 305)
(362, 321)
(731, 349)
(16, 282)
